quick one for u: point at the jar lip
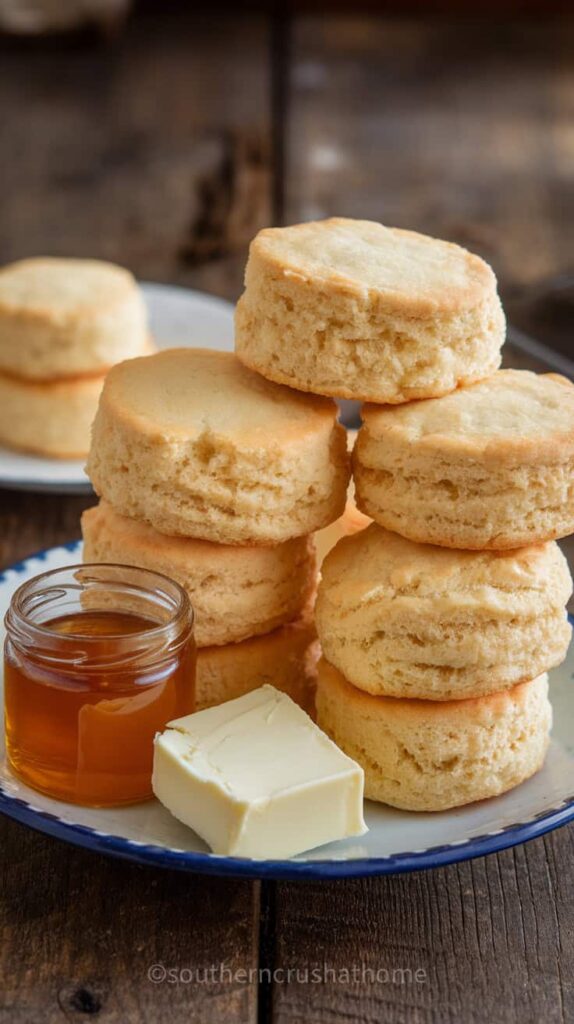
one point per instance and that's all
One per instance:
(182, 609)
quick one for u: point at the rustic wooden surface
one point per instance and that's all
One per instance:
(460, 129)
(166, 150)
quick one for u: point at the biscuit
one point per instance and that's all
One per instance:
(353, 309)
(400, 619)
(429, 756)
(48, 418)
(286, 658)
(489, 466)
(349, 523)
(196, 445)
(236, 592)
(68, 318)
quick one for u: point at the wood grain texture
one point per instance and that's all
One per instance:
(30, 522)
(456, 129)
(80, 935)
(489, 939)
(153, 151)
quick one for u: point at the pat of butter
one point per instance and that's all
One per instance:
(255, 777)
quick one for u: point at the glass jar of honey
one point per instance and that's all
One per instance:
(98, 658)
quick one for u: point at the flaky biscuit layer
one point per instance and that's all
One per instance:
(63, 318)
(409, 620)
(236, 592)
(286, 659)
(196, 445)
(430, 756)
(488, 467)
(356, 310)
(48, 419)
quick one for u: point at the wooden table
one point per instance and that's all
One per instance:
(165, 150)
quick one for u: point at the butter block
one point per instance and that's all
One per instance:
(255, 777)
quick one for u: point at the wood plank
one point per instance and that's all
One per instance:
(492, 940)
(153, 150)
(83, 935)
(459, 129)
(30, 522)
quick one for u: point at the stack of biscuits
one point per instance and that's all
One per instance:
(63, 323)
(439, 621)
(218, 478)
(442, 604)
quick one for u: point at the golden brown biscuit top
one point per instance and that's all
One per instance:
(193, 392)
(375, 564)
(511, 411)
(49, 285)
(400, 267)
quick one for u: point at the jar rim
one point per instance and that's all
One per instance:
(21, 628)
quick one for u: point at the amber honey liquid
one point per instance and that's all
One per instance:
(85, 735)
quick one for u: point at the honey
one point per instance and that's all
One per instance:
(87, 689)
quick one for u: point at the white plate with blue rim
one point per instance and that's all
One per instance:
(178, 317)
(397, 840)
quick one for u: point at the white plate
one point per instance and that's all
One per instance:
(397, 840)
(178, 317)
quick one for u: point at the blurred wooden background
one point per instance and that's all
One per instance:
(165, 147)
(169, 145)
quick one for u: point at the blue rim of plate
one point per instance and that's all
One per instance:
(212, 864)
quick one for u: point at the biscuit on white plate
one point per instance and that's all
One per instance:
(286, 659)
(401, 619)
(48, 418)
(354, 309)
(488, 466)
(236, 592)
(431, 756)
(195, 444)
(68, 318)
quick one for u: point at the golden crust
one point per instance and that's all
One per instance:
(352, 309)
(512, 416)
(399, 270)
(475, 710)
(195, 445)
(519, 539)
(66, 318)
(349, 523)
(409, 620)
(193, 391)
(236, 592)
(430, 756)
(48, 287)
(488, 467)
(50, 419)
(360, 392)
(378, 565)
(286, 658)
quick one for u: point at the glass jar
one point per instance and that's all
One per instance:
(98, 658)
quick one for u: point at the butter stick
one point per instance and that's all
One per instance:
(255, 777)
